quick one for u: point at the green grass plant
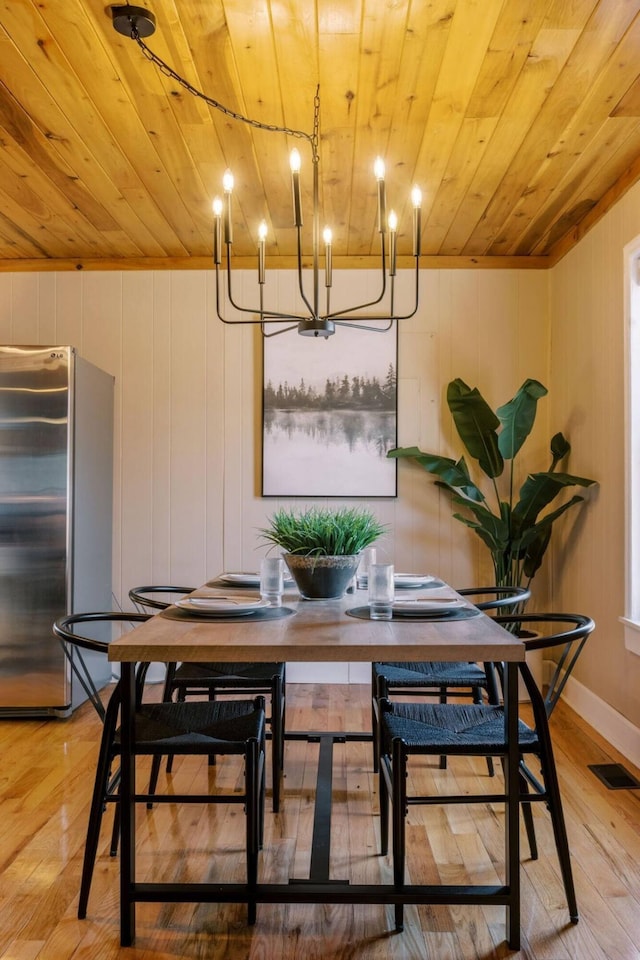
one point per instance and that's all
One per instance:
(323, 532)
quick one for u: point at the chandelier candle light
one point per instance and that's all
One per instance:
(311, 321)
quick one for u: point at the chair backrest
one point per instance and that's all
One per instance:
(157, 597)
(66, 629)
(567, 631)
(497, 598)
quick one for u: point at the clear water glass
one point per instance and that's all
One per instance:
(381, 591)
(272, 580)
(368, 557)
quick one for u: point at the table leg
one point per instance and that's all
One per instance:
(512, 809)
(127, 808)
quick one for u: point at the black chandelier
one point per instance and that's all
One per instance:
(313, 320)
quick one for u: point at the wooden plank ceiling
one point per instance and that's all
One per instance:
(519, 120)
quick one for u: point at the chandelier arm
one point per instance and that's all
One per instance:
(275, 333)
(407, 316)
(363, 326)
(271, 314)
(336, 317)
(371, 303)
(229, 323)
(241, 309)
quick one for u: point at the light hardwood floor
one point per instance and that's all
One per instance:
(46, 776)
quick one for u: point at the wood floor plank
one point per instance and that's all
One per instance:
(45, 784)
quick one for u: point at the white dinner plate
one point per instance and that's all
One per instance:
(222, 606)
(412, 580)
(420, 608)
(241, 579)
(248, 579)
(401, 580)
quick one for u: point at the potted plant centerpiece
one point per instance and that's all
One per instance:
(516, 530)
(322, 547)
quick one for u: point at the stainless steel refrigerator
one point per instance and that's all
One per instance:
(56, 492)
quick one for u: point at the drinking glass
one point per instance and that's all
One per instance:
(368, 557)
(381, 591)
(272, 580)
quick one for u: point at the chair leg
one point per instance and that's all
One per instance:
(156, 760)
(527, 816)
(95, 821)
(383, 800)
(399, 809)
(552, 787)
(115, 831)
(277, 740)
(379, 689)
(375, 735)
(253, 777)
(443, 699)
(374, 721)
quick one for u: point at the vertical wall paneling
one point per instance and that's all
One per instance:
(237, 392)
(67, 309)
(46, 328)
(159, 359)
(6, 307)
(216, 432)
(136, 390)
(24, 297)
(188, 431)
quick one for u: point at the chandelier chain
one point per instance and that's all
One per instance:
(168, 71)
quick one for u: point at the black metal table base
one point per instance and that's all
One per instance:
(318, 887)
(335, 891)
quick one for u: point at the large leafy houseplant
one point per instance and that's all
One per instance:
(516, 531)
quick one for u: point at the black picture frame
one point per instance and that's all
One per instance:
(329, 414)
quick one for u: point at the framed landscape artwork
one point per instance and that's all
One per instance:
(330, 415)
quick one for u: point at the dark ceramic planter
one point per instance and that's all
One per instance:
(322, 578)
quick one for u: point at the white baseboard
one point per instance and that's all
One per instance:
(328, 673)
(616, 729)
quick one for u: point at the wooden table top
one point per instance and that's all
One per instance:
(319, 630)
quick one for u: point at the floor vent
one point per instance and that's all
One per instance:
(614, 776)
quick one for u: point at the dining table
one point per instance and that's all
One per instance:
(338, 630)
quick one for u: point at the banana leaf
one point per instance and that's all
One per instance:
(518, 416)
(538, 490)
(536, 552)
(492, 529)
(454, 474)
(477, 424)
(560, 448)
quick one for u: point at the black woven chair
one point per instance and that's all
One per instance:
(444, 680)
(226, 727)
(423, 729)
(211, 679)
